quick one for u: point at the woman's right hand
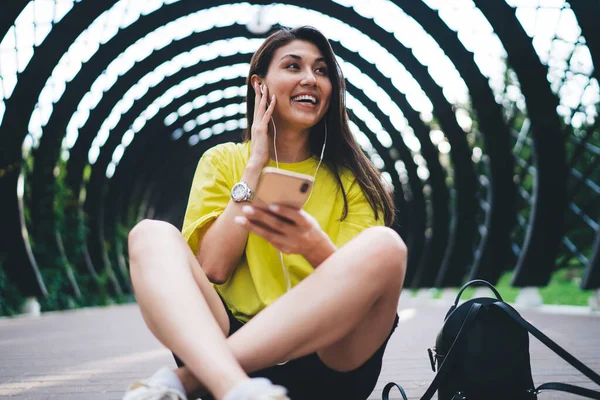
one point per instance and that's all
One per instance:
(260, 126)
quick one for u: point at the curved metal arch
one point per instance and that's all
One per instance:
(87, 133)
(20, 264)
(145, 150)
(172, 161)
(389, 164)
(97, 117)
(187, 163)
(125, 38)
(154, 128)
(92, 197)
(143, 146)
(429, 254)
(78, 160)
(544, 232)
(411, 218)
(120, 187)
(195, 113)
(384, 153)
(151, 151)
(10, 11)
(154, 161)
(587, 13)
(591, 275)
(75, 91)
(18, 108)
(459, 252)
(491, 259)
(153, 165)
(123, 190)
(117, 188)
(98, 175)
(143, 190)
(455, 126)
(32, 79)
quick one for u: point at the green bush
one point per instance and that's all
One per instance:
(509, 293)
(564, 288)
(11, 299)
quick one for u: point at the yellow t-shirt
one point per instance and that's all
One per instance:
(259, 279)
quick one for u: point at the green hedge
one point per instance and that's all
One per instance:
(11, 299)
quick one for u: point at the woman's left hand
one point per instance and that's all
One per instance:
(289, 230)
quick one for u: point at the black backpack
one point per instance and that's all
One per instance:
(482, 352)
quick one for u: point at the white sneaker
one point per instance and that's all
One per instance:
(154, 388)
(275, 392)
(144, 391)
(257, 389)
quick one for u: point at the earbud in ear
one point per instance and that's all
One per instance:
(262, 89)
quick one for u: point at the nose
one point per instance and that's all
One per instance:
(309, 79)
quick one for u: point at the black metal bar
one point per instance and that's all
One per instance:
(403, 223)
(587, 13)
(19, 108)
(493, 248)
(544, 233)
(19, 265)
(430, 255)
(591, 273)
(459, 253)
(97, 180)
(411, 220)
(10, 12)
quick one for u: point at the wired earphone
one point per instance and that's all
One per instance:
(286, 273)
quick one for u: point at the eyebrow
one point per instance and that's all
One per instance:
(297, 57)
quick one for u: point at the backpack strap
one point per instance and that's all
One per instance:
(451, 356)
(386, 391)
(476, 282)
(565, 387)
(565, 355)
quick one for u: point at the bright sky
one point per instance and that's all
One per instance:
(542, 19)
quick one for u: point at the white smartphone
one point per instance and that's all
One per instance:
(282, 187)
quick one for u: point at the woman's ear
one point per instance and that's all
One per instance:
(255, 79)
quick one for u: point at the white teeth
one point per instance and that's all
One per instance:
(312, 99)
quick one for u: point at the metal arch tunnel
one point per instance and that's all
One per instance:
(459, 220)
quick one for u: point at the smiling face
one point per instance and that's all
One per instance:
(298, 77)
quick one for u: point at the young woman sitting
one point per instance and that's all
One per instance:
(218, 296)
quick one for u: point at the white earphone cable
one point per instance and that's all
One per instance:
(286, 273)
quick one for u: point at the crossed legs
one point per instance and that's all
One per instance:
(343, 311)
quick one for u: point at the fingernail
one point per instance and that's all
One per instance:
(273, 98)
(247, 210)
(239, 220)
(274, 207)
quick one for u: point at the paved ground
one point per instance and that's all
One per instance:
(96, 353)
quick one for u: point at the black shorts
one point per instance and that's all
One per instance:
(308, 378)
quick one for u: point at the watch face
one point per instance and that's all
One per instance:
(238, 192)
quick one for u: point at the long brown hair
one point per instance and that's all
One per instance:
(342, 148)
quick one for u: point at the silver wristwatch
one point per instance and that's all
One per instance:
(241, 192)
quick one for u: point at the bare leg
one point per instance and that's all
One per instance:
(175, 310)
(344, 310)
(193, 387)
